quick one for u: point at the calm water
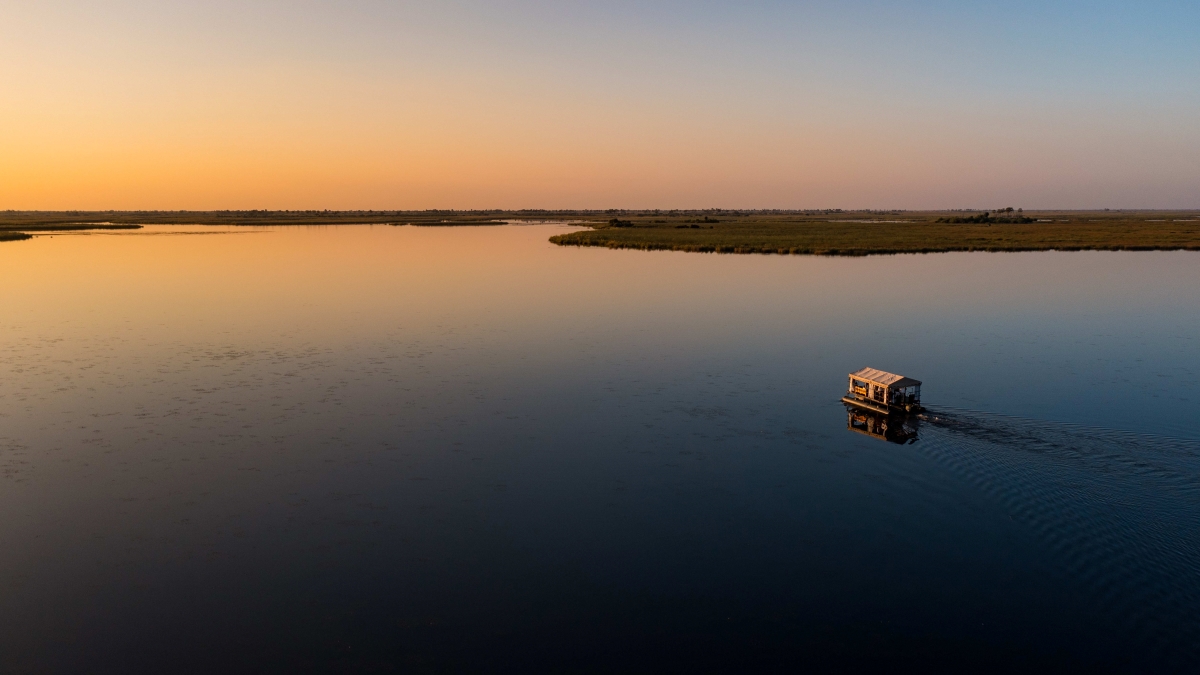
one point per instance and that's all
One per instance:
(414, 449)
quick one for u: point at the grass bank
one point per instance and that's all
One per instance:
(826, 232)
(867, 233)
(27, 220)
(67, 227)
(14, 222)
(19, 231)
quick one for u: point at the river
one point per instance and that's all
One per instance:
(427, 449)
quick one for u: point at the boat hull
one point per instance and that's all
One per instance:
(876, 406)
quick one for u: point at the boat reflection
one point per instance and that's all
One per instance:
(883, 427)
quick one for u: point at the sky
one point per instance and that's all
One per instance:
(351, 104)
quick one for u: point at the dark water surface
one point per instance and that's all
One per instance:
(377, 449)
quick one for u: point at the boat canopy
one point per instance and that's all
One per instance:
(890, 380)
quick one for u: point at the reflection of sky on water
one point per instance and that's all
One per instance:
(450, 443)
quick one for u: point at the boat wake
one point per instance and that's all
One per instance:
(1120, 510)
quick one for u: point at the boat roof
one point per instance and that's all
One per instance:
(885, 378)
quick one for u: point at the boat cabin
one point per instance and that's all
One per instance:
(883, 392)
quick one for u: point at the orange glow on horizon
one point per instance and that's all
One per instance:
(186, 111)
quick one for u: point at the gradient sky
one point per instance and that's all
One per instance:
(449, 104)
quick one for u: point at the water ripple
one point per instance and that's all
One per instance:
(1119, 510)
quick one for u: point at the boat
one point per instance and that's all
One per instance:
(883, 392)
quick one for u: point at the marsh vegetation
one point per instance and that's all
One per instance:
(814, 232)
(17, 224)
(877, 232)
(17, 229)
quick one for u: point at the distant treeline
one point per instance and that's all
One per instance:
(30, 220)
(11, 219)
(1006, 215)
(985, 218)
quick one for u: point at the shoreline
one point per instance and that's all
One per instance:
(812, 232)
(858, 253)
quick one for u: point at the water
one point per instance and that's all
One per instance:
(435, 449)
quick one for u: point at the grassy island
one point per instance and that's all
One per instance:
(17, 229)
(16, 225)
(873, 232)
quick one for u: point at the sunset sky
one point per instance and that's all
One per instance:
(450, 104)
